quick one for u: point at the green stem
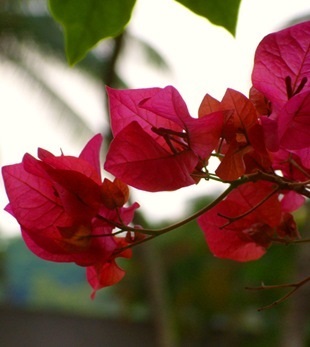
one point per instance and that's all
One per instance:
(157, 232)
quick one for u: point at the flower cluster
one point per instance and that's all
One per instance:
(68, 214)
(158, 146)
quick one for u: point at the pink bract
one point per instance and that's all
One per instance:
(241, 227)
(157, 144)
(282, 64)
(66, 212)
(281, 74)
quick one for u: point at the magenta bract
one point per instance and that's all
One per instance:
(61, 205)
(157, 144)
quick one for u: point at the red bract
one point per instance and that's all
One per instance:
(157, 144)
(241, 227)
(241, 147)
(291, 165)
(281, 64)
(66, 213)
(282, 78)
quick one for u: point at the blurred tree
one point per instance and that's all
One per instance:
(296, 326)
(27, 31)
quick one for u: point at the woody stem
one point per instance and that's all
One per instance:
(233, 219)
(295, 287)
(157, 232)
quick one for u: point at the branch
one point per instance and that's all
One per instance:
(157, 232)
(234, 219)
(283, 183)
(295, 287)
(289, 242)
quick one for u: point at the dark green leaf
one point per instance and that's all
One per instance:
(220, 12)
(86, 22)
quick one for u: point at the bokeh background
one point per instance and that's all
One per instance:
(175, 292)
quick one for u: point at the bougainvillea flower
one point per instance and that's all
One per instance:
(291, 165)
(241, 226)
(157, 145)
(279, 74)
(286, 140)
(67, 213)
(283, 80)
(241, 148)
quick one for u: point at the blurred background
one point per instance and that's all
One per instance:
(175, 292)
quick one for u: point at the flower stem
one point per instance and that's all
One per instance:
(157, 232)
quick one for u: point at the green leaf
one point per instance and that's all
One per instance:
(86, 22)
(220, 12)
